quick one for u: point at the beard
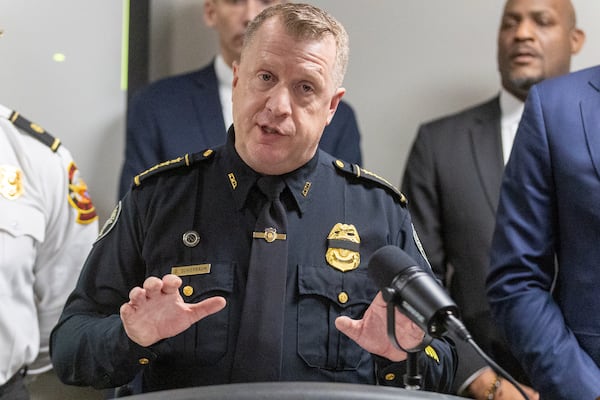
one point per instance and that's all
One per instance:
(524, 83)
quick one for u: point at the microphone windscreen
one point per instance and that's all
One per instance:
(387, 262)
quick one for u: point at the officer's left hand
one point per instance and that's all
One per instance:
(370, 332)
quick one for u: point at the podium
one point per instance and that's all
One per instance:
(291, 391)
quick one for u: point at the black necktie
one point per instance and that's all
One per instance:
(259, 345)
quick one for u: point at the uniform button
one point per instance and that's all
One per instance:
(143, 361)
(343, 297)
(339, 163)
(191, 238)
(390, 377)
(188, 290)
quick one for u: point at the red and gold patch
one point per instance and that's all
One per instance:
(79, 198)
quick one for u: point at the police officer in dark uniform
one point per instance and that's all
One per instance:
(185, 239)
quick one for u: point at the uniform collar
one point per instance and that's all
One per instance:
(300, 182)
(242, 178)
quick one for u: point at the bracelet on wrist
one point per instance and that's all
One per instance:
(490, 393)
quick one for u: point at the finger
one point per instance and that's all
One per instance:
(348, 327)
(532, 394)
(153, 286)
(208, 307)
(171, 283)
(137, 296)
(378, 301)
(126, 311)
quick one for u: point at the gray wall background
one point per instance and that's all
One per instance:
(410, 61)
(78, 100)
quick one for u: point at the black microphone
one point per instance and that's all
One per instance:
(415, 292)
(403, 283)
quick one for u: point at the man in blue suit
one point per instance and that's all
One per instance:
(545, 259)
(191, 112)
(453, 194)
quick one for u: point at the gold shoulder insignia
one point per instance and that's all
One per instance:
(182, 161)
(431, 353)
(34, 130)
(361, 173)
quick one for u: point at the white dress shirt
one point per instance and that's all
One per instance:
(225, 78)
(511, 110)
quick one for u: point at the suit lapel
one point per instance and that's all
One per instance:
(207, 104)
(590, 115)
(486, 150)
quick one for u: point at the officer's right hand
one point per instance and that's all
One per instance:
(156, 311)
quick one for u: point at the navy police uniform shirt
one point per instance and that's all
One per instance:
(194, 217)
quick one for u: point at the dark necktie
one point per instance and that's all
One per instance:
(259, 345)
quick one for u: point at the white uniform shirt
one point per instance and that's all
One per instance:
(47, 227)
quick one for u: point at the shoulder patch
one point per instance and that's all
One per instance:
(183, 161)
(110, 222)
(34, 130)
(361, 173)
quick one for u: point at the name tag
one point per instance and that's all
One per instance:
(198, 269)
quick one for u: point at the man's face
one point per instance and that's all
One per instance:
(283, 97)
(535, 42)
(230, 18)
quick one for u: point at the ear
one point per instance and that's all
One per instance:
(335, 101)
(210, 12)
(577, 40)
(236, 67)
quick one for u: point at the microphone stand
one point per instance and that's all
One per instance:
(412, 377)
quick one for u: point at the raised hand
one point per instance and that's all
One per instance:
(370, 332)
(156, 311)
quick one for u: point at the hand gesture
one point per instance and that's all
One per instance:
(370, 332)
(156, 311)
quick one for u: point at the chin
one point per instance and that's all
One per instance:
(525, 82)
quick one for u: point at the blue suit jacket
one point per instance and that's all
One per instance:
(182, 114)
(543, 285)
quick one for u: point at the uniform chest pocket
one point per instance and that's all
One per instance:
(208, 339)
(326, 294)
(21, 228)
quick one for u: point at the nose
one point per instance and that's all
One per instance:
(279, 102)
(525, 30)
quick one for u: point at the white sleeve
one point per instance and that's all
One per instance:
(71, 228)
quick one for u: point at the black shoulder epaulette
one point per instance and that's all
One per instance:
(183, 161)
(35, 130)
(361, 173)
